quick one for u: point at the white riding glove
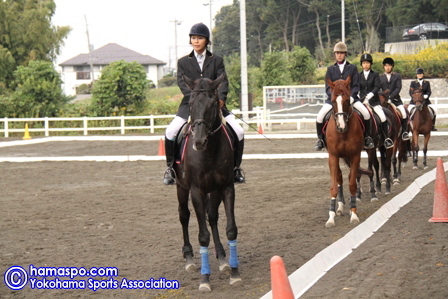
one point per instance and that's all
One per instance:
(425, 96)
(352, 100)
(369, 96)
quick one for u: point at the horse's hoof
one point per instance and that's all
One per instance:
(237, 281)
(415, 167)
(340, 211)
(330, 224)
(354, 218)
(374, 199)
(383, 181)
(205, 288)
(396, 182)
(426, 167)
(224, 267)
(358, 199)
(387, 193)
(330, 221)
(190, 267)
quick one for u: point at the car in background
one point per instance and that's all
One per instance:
(426, 31)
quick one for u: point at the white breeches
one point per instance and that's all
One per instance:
(363, 109)
(177, 122)
(379, 111)
(322, 112)
(403, 111)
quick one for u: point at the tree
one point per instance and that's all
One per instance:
(274, 69)
(121, 85)
(37, 92)
(26, 34)
(301, 66)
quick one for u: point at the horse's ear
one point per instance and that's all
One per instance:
(215, 83)
(330, 83)
(188, 81)
(348, 80)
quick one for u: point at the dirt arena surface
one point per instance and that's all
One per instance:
(119, 214)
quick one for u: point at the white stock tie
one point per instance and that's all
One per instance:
(200, 60)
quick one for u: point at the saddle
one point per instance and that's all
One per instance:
(184, 133)
(431, 113)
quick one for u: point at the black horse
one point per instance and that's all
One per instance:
(206, 171)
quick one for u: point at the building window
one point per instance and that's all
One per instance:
(82, 75)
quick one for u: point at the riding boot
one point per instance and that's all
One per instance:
(368, 141)
(169, 177)
(388, 143)
(404, 128)
(319, 143)
(434, 123)
(238, 158)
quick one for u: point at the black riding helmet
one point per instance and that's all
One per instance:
(366, 57)
(200, 29)
(419, 71)
(388, 60)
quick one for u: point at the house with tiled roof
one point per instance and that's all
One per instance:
(76, 71)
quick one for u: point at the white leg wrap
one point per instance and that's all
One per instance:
(323, 111)
(379, 111)
(230, 119)
(361, 108)
(174, 127)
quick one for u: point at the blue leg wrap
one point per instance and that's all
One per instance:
(233, 259)
(205, 267)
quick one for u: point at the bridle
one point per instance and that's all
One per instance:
(420, 100)
(346, 115)
(198, 121)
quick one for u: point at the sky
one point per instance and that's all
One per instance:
(144, 26)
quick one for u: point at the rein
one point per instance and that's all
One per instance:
(210, 131)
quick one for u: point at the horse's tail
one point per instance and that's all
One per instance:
(361, 171)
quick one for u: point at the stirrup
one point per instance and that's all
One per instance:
(388, 143)
(368, 143)
(433, 128)
(169, 177)
(405, 136)
(239, 175)
(319, 145)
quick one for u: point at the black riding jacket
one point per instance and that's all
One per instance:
(372, 84)
(334, 73)
(393, 87)
(212, 68)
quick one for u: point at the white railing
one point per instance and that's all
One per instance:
(254, 118)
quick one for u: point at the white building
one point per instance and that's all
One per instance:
(76, 71)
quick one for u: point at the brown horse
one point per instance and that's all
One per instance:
(421, 123)
(400, 146)
(344, 139)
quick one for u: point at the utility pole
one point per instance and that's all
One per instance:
(244, 88)
(343, 20)
(211, 22)
(90, 48)
(176, 22)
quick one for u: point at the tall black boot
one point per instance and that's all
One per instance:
(434, 123)
(238, 158)
(404, 128)
(319, 143)
(169, 177)
(388, 143)
(368, 141)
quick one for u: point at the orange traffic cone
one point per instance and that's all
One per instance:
(440, 209)
(161, 148)
(260, 129)
(281, 289)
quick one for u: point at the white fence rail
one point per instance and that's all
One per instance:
(254, 118)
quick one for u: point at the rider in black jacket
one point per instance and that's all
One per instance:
(425, 87)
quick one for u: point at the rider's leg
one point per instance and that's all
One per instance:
(368, 141)
(435, 116)
(388, 143)
(170, 135)
(238, 156)
(319, 125)
(404, 123)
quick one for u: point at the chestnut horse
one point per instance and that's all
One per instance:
(421, 123)
(206, 172)
(400, 146)
(344, 139)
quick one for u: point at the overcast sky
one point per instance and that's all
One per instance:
(141, 25)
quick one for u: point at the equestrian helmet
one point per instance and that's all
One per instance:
(366, 57)
(388, 60)
(340, 47)
(200, 29)
(419, 71)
